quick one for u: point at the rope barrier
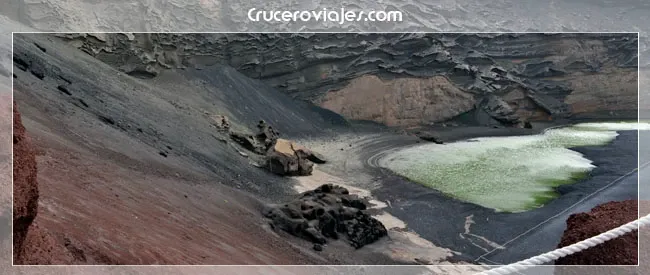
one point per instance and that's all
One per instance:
(568, 250)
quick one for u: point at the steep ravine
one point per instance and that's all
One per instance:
(410, 79)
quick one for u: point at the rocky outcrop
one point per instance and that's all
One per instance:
(407, 78)
(32, 244)
(619, 251)
(328, 211)
(259, 143)
(281, 156)
(288, 158)
(220, 122)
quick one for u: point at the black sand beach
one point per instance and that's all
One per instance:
(442, 220)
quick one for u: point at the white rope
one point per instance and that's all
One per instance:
(568, 250)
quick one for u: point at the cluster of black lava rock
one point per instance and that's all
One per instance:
(328, 211)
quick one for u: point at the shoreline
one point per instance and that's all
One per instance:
(466, 225)
(418, 201)
(461, 133)
(401, 245)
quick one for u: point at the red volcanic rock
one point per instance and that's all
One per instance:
(607, 216)
(40, 248)
(32, 244)
(25, 185)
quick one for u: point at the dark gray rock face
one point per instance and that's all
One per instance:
(328, 211)
(85, 92)
(557, 74)
(499, 109)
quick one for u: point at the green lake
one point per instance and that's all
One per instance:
(511, 174)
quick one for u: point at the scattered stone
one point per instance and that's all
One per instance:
(318, 247)
(64, 90)
(83, 102)
(248, 142)
(267, 135)
(428, 136)
(65, 79)
(258, 143)
(40, 47)
(107, 120)
(328, 211)
(37, 73)
(528, 125)
(282, 157)
(21, 64)
(221, 122)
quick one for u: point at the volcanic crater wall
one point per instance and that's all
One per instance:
(408, 79)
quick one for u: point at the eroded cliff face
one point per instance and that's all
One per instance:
(408, 79)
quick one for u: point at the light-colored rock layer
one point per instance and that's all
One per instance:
(399, 102)
(615, 90)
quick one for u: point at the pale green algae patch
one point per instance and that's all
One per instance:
(511, 174)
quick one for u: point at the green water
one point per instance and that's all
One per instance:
(511, 174)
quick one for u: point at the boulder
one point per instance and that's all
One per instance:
(289, 159)
(266, 134)
(327, 212)
(259, 142)
(428, 136)
(604, 217)
(249, 142)
(221, 122)
(283, 157)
